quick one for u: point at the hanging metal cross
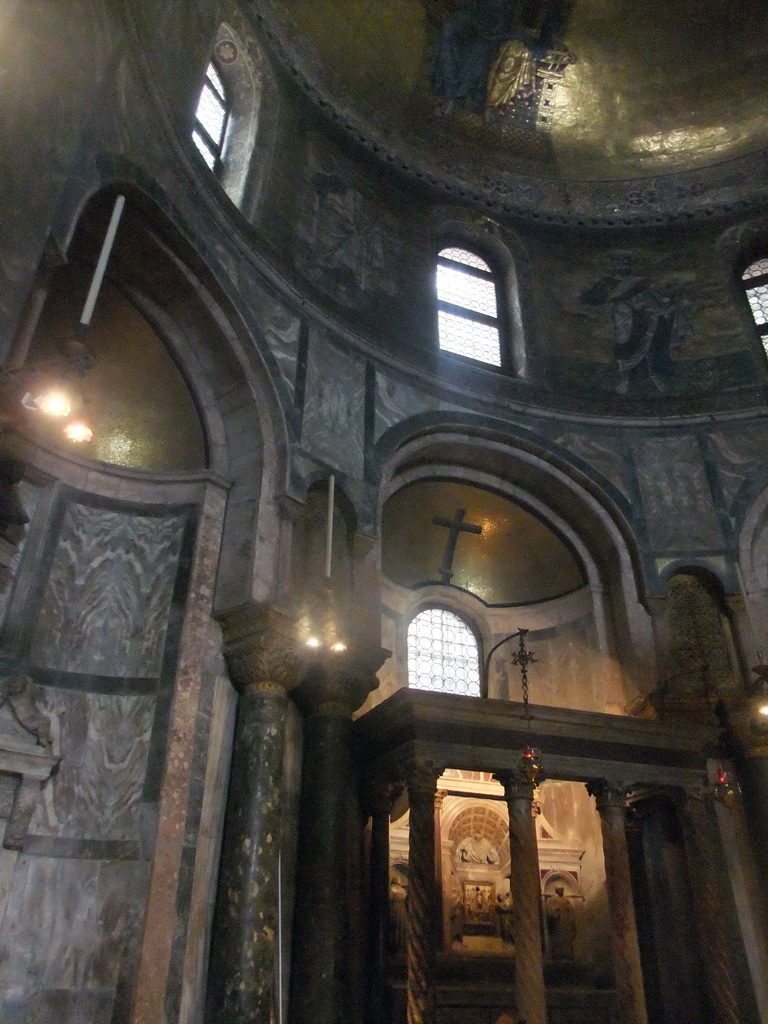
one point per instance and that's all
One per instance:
(455, 526)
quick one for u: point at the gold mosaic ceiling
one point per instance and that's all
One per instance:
(646, 88)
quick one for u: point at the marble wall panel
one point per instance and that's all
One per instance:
(738, 455)
(103, 743)
(333, 406)
(105, 605)
(64, 937)
(348, 242)
(396, 402)
(570, 671)
(280, 326)
(602, 454)
(677, 500)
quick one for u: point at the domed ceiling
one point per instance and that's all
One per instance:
(562, 89)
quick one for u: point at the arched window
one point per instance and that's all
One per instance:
(211, 119)
(755, 279)
(443, 654)
(467, 307)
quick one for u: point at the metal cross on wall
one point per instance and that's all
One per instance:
(455, 526)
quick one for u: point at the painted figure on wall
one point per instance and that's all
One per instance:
(650, 319)
(491, 53)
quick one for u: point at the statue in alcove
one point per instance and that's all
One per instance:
(504, 913)
(398, 915)
(476, 849)
(561, 925)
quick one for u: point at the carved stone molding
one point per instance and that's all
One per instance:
(261, 648)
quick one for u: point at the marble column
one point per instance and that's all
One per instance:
(380, 797)
(704, 863)
(324, 973)
(525, 886)
(265, 663)
(441, 923)
(421, 780)
(611, 805)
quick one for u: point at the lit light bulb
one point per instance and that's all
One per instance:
(54, 403)
(763, 710)
(51, 403)
(313, 642)
(338, 646)
(78, 432)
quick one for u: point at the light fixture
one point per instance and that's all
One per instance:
(76, 359)
(529, 765)
(320, 623)
(53, 402)
(78, 432)
(726, 785)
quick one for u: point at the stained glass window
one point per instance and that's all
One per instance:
(467, 311)
(443, 654)
(211, 118)
(756, 289)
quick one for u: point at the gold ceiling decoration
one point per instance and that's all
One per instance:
(495, 549)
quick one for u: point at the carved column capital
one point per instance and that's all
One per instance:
(609, 796)
(337, 683)
(380, 795)
(261, 649)
(516, 785)
(421, 779)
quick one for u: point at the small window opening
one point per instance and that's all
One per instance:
(211, 119)
(443, 654)
(755, 279)
(467, 307)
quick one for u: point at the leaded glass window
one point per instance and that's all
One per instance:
(443, 654)
(211, 119)
(756, 289)
(467, 308)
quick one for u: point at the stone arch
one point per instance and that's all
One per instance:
(222, 357)
(575, 510)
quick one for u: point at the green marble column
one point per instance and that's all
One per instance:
(611, 802)
(525, 886)
(324, 974)
(265, 663)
